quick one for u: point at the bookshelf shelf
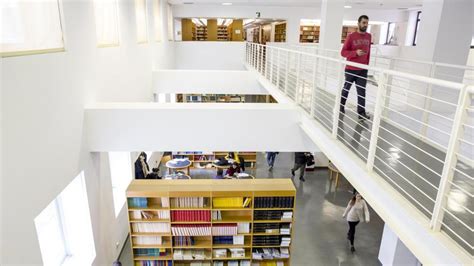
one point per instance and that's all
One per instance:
(234, 232)
(195, 158)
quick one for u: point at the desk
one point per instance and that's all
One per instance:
(170, 164)
(333, 170)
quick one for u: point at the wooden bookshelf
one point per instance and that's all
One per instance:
(212, 192)
(201, 33)
(346, 30)
(207, 158)
(309, 34)
(222, 33)
(280, 32)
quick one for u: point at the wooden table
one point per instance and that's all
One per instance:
(170, 167)
(333, 170)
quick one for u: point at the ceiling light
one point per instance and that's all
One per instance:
(347, 6)
(226, 4)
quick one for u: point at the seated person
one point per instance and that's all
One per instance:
(233, 169)
(154, 174)
(220, 174)
(233, 156)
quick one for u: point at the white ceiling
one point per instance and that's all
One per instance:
(369, 4)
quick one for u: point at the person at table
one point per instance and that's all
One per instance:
(220, 174)
(233, 169)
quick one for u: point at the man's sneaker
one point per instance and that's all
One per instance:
(364, 116)
(302, 179)
(270, 168)
(293, 173)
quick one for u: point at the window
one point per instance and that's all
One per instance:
(140, 15)
(121, 175)
(157, 20)
(106, 22)
(390, 39)
(170, 22)
(30, 27)
(417, 26)
(64, 228)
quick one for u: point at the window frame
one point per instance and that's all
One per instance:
(388, 32)
(43, 51)
(416, 27)
(106, 45)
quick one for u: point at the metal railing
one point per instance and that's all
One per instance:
(424, 151)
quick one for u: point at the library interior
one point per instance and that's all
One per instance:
(237, 132)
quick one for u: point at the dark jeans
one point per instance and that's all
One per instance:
(352, 231)
(301, 167)
(360, 79)
(271, 158)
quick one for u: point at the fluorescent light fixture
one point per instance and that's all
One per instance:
(347, 6)
(227, 4)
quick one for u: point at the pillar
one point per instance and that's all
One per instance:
(332, 15)
(393, 252)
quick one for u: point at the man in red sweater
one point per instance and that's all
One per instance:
(357, 49)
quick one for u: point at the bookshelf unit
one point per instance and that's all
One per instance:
(222, 33)
(227, 224)
(201, 33)
(309, 34)
(346, 30)
(208, 157)
(280, 32)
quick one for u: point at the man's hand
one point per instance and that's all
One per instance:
(360, 52)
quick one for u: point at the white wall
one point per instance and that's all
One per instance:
(209, 55)
(42, 104)
(206, 81)
(195, 127)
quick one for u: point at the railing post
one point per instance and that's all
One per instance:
(254, 55)
(379, 101)
(427, 103)
(278, 69)
(388, 89)
(271, 63)
(287, 66)
(451, 158)
(313, 90)
(337, 100)
(297, 89)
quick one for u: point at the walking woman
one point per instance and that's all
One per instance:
(355, 212)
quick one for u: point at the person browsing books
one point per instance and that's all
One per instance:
(233, 169)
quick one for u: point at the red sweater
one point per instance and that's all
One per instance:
(353, 42)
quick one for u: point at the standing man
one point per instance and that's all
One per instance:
(357, 49)
(271, 159)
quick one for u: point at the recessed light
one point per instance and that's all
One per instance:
(226, 4)
(347, 6)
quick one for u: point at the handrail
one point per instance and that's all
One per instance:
(466, 67)
(445, 83)
(314, 81)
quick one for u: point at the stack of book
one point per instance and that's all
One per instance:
(274, 202)
(237, 252)
(285, 229)
(191, 216)
(138, 215)
(148, 240)
(191, 230)
(285, 241)
(154, 263)
(243, 228)
(224, 230)
(189, 202)
(266, 240)
(183, 240)
(267, 215)
(270, 253)
(198, 263)
(287, 216)
(150, 252)
(220, 253)
(150, 227)
(137, 202)
(266, 228)
(190, 254)
(230, 202)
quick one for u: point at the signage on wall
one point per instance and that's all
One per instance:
(237, 31)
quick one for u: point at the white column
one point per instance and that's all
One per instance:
(445, 31)
(332, 14)
(393, 252)
(293, 30)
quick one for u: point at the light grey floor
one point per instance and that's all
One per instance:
(320, 231)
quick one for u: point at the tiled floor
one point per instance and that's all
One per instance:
(320, 230)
